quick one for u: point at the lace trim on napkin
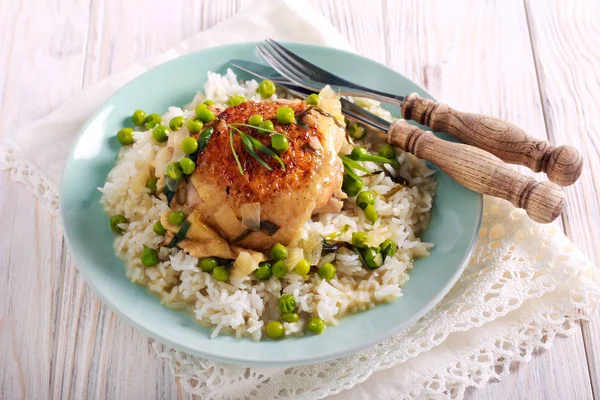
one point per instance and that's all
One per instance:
(29, 174)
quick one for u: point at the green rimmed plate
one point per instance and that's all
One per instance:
(454, 226)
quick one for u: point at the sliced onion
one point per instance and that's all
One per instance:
(377, 236)
(314, 142)
(244, 264)
(312, 248)
(327, 258)
(251, 215)
(175, 140)
(228, 222)
(294, 255)
(330, 102)
(163, 158)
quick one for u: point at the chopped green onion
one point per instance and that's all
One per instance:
(237, 160)
(180, 235)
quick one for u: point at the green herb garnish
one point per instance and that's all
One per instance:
(270, 131)
(337, 234)
(180, 235)
(253, 145)
(237, 160)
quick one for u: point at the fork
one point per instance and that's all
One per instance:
(470, 166)
(562, 164)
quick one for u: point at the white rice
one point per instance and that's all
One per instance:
(244, 306)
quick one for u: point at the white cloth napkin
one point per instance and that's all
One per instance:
(525, 283)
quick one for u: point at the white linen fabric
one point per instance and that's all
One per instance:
(525, 283)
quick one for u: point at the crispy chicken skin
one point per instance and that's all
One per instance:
(287, 197)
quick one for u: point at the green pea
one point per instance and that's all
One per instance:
(125, 136)
(208, 102)
(290, 317)
(235, 100)
(115, 222)
(372, 257)
(365, 198)
(359, 239)
(151, 184)
(279, 252)
(327, 271)
(150, 125)
(358, 152)
(255, 120)
(357, 131)
(371, 213)
(221, 273)
(159, 133)
(194, 126)
(149, 257)
(189, 145)
(313, 99)
(279, 142)
(176, 217)
(138, 118)
(302, 268)
(387, 248)
(263, 272)
(387, 151)
(316, 325)
(285, 115)
(394, 163)
(266, 89)
(351, 186)
(154, 117)
(266, 125)
(287, 303)
(174, 171)
(274, 330)
(187, 165)
(159, 229)
(208, 264)
(176, 123)
(204, 114)
(279, 269)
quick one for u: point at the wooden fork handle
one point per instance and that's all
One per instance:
(507, 141)
(481, 171)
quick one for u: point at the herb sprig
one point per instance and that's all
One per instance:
(252, 146)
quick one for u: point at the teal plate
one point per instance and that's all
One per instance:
(454, 224)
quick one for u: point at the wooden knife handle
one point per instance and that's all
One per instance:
(481, 171)
(507, 141)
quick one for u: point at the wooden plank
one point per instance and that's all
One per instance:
(557, 373)
(465, 53)
(45, 63)
(364, 30)
(30, 280)
(566, 43)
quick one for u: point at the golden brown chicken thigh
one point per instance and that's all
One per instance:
(286, 197)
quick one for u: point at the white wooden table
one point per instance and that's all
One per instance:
(534, 62)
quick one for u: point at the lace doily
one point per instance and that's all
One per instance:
(525, 284)
(29, 174)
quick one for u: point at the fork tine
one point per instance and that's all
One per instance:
(281, 69)
(283, 55)
(309, 68)
(279, 59)
(277, 65)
